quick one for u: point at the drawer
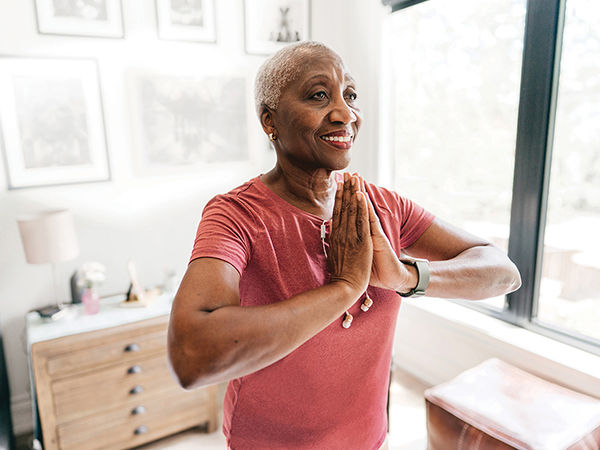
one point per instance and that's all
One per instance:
(121, 349)
(120, 428)
(89, 393)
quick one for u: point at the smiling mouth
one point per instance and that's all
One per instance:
(341, 142)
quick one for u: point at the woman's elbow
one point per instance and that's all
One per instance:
(511, 279)
(187, 366)
(500, 278)
(184, 379)
(182, 372)
(516, 281)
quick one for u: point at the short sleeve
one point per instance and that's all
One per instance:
(224, 233)
(415, 220)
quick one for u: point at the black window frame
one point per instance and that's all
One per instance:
(540, 70)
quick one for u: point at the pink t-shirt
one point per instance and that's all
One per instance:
(331, 392)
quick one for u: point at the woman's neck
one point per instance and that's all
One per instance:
(310, 190)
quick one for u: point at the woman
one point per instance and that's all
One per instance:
(292, 289)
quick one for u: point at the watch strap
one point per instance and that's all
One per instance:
(422, 266)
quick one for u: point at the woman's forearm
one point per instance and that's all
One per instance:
(208, 347)
(477, 273)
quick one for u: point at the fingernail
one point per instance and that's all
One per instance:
(353, 181)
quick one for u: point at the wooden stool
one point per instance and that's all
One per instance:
(497, 406)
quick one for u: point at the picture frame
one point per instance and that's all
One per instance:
(181, 121)
(84, 18)
(271, 24)
(51, 122)
(192, 20)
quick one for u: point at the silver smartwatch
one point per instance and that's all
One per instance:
(422, 266)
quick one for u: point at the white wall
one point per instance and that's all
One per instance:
(150, 219)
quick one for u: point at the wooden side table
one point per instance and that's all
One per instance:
(102, 381)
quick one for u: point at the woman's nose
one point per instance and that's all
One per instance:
(341, 111)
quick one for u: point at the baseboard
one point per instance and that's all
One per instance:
(436, 340)
(22, 414)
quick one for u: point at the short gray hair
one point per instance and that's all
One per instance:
(280, 70)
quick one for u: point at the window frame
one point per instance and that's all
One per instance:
(540, 71)
(397, 5)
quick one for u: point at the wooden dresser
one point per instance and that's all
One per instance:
(111, 388)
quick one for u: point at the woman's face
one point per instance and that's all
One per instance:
(317, 118)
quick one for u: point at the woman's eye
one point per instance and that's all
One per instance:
(352, 95)
(320, 95)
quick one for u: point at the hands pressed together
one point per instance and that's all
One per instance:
(360, 253)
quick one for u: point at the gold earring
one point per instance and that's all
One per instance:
(272, 137)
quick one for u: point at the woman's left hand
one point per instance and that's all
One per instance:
(387, 271)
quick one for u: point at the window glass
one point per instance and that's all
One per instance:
(570, 287)
(456, 69)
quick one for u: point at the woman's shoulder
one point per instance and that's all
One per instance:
(240, 193)
(242, 190)
(246, 199)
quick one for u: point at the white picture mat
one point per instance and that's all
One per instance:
(51, 70)
(49, 23)
(262, 18)
(169, 30)
(213, 150)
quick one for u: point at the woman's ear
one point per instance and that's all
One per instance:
(266, 120)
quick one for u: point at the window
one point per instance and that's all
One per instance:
(484, 137)
(570, 286)
(456, 75)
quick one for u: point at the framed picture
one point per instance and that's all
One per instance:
(271, 24)
(186, 20)
(99, 18)
(51, 122)
(183, 122)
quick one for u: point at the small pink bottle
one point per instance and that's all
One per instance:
(91, 301)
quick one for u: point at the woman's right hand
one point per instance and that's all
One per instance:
(350, 246)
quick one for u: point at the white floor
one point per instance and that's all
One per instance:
(407, 422)
(190, 440)
(408, 429)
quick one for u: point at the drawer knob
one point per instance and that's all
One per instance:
(132, 348)
(142, 429)
(134, 369)
(138, 410)
(136, 390)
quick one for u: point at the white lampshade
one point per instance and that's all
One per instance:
(49, 237)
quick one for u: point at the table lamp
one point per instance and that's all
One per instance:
(49, 238)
